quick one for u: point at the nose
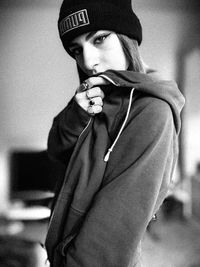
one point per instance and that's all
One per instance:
(90, 59)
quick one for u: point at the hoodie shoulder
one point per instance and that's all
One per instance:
(153, 109)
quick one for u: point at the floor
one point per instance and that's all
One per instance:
(173, 243)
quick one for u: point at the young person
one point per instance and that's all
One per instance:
(117, 137)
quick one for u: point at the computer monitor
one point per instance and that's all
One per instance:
(33, 176)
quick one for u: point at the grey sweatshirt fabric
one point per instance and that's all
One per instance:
(103, 208)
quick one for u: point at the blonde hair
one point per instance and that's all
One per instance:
(130, 47)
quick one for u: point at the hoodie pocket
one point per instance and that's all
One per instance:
(72, 226)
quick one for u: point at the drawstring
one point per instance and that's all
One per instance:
(106, 158)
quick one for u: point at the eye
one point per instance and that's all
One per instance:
(76, 51)
(101, 38)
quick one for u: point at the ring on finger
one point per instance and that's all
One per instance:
(84, 86)
(91, 102)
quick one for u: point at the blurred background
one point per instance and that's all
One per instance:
(37, 79)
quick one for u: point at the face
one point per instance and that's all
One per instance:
(98, 51)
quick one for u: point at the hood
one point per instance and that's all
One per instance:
(151, 85)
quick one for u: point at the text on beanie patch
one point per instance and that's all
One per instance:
(73, 21)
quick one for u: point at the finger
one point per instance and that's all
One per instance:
(96, 81)
(91, 82)
(84, 86)
(95, 92)
(81, 96)
(81, 100)
(94, 109)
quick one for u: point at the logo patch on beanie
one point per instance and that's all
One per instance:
(73, 21)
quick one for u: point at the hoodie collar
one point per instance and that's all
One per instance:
(148, 84)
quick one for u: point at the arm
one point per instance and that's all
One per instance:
(69, 123)
(132, 191)
(66, 128)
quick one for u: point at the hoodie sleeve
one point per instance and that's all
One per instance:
(66, 128)
(137, 180)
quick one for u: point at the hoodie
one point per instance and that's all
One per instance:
(119, 166)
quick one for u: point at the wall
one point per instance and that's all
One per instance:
(38, 78)
(35, 74)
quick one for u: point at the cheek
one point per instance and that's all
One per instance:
(117, 59)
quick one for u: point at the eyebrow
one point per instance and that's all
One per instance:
(88, 36)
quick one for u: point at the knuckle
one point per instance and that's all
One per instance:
(99, 90)
(78, 96)
(99, 100)
(98, 109)
(93, 92)
(102, 94)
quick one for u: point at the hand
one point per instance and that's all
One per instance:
(90, 96)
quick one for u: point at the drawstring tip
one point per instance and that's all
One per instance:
(106, 158)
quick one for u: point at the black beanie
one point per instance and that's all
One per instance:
(81, 16)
